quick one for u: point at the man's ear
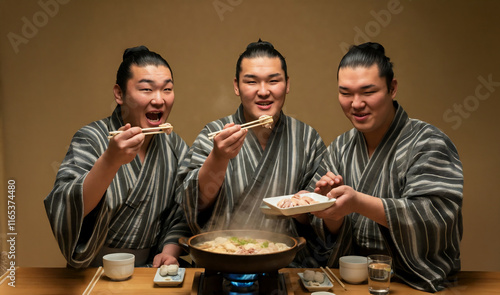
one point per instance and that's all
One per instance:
(394, 88)
(236, 87)
(117, 91)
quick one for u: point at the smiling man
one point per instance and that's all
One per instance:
(227, 178)
(398, 181)
(118, 194)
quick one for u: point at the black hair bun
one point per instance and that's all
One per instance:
(374, 46)
(260, 44)
(133, 50)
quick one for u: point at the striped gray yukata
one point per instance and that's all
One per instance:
(417, 173)
(138, 210)
(287, 165)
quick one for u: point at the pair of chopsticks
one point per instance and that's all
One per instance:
(163, 128)
(265, 120)
(330, 278)
(92, 283)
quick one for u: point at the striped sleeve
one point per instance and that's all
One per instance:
(64, 204)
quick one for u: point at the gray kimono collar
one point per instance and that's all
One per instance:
(116, 121)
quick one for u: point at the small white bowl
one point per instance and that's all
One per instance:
(118, 266)
(353, 269)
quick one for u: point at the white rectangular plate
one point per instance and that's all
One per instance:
(169, 280)
(326, 285)
(324, 203)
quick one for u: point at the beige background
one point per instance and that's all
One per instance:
(58, 65)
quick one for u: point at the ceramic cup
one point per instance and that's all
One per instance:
(118, 266)
(353, 269)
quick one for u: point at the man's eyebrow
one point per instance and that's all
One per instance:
(255, 76)
(153, 82)
(362, 87)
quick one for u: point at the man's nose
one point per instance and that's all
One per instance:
(157, 98)
(358, 101)
(263, 90)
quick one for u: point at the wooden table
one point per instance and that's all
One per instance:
(54, 281)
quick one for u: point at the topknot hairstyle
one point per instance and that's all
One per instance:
(366, 55)
(140, 56)
(260, 49)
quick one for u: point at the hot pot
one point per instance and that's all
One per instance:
(242, 264)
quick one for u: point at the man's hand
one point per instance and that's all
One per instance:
(168, 255)
(228, 143)
(164, 259)
(327, 183)
(345, 204)
(124, 146)
(348, 201)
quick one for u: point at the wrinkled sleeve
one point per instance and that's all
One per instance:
(78, 237)
(425, 223)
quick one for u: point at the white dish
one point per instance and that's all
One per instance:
(269, 211)
(324, 203)
(326, 285)
(169, 280)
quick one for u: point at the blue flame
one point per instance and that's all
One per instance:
(242, 280)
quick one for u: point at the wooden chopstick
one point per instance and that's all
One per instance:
(92, 283)
(146, 131)
(326, 274)
(252, 124)
(258, 124)
(336, 278)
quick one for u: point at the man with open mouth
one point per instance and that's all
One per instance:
(117, 193)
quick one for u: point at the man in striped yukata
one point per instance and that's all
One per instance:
(398, 181)
(226, 178)
(118, 194)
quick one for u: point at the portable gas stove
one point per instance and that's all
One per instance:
(216, 283)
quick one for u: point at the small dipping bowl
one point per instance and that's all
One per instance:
(118, 266)
(353, 269)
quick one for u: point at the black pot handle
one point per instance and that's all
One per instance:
(183, 242)
(301, 242)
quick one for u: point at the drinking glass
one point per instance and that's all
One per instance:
(379, 274)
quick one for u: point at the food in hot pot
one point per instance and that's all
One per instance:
(239, 245)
